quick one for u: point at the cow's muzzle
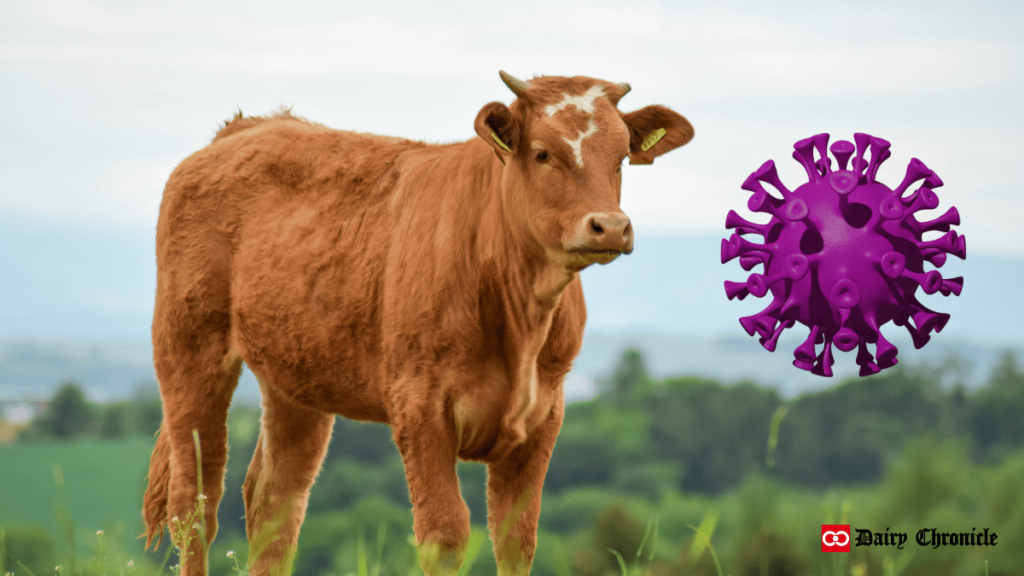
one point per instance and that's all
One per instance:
(600, 238)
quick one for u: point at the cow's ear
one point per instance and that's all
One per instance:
(653, 131)
(499, 128)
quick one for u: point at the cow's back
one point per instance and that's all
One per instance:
(273, 235)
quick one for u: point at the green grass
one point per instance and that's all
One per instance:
(103, 483)
(102, 487)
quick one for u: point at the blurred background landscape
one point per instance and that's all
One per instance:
(674, 409)
(908, 449)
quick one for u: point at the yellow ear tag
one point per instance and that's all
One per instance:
(651, 139)
(502, 144)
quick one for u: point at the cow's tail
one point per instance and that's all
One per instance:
(154, 503)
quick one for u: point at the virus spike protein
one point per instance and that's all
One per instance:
(846, 254)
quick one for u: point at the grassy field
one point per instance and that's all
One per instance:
(104, 482)
(760, 527)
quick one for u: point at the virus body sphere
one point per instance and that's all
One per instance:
(843, 254)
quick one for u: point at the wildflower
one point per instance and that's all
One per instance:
(99, 532)
(231, 553)
(175, 519)
(131, 563)
(201, 497)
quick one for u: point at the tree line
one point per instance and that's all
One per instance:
(639, 435)
(70, 416)
(704, 436)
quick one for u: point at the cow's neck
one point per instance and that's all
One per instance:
(527, 285)
(528, 280)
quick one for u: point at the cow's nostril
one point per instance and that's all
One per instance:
(602, 231)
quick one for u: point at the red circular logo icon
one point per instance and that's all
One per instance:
(835, 537)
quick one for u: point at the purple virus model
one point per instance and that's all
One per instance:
(843, 254)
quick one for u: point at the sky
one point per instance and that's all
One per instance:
(100, 100)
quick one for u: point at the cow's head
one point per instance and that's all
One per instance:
(562, 143)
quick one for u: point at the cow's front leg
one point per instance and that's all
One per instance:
(427, 441)
(514, 486)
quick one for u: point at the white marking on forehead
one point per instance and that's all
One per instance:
(583, 103)
(577, 144)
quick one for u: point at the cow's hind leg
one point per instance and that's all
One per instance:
(197, 377)
(198, 372)
(428, 444)
(514, 486)
(291, 447)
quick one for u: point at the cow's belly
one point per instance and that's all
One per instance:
(335, 383)
(303, 303)
(315, 358)
(335, 391)
(319, 351)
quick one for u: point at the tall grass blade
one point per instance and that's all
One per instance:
(267, 534)
(652, 530)
(201, 497)
(31, 573)
(901, 563)
(622, 563)
(382, 531)
(284, 567)
(502, 541)
(654, 539)
(476, 541)
(513, 514)
(773, 433)
(64, 517)
(703, 534)
(702, 538)
(167, 557)
(363, 569)
(559, 556)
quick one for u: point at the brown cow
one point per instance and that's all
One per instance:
(431, 287)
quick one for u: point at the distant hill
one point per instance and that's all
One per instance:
(90, 283)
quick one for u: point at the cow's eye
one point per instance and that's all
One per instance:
(542, 156)
(621, 162)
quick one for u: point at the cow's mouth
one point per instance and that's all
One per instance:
(580, 259)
